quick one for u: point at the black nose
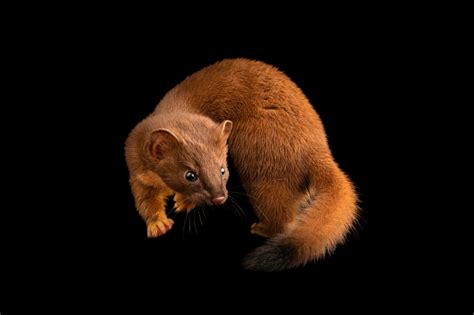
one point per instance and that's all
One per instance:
(218, 201)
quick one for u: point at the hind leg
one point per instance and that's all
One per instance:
(260, 229)
(273, 204)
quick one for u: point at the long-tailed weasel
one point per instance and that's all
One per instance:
(304, 202)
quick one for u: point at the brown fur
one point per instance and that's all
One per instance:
(304, 202)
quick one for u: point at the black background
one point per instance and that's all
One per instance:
(96, 84)
(336, 84)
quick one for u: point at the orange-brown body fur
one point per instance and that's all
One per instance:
(304, 202)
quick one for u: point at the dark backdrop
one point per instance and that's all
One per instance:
(101, 83)
(77, 80)
(338, 80)
(338, 85)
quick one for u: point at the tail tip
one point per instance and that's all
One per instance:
(271, 257)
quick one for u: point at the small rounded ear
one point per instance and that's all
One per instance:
(162, 142)
(225, 129)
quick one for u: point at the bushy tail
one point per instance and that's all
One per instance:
(318, 228)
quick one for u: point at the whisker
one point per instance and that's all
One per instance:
(260, 212)
(204, 213)
(184, 225)
(253, 203)
(186, 199)
(227, 206)
(189, 223)
(235, 210)
(169, 212)
(173, 213)
(243, 194)
(194, 222)
(199, 213)
(232, 199)
(241, 211)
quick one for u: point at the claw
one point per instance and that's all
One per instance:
(159, 227)
(180, 204)
(259, 229)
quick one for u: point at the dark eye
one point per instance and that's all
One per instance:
(222, 171)
(190, 176)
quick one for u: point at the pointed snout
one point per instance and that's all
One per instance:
(218, 200)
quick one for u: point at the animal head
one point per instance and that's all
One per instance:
(191, 158)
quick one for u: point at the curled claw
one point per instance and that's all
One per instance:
(159, 227)
(182, 204)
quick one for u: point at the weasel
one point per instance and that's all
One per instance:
(304, 202)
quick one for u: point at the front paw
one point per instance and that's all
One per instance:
(159, 227)
(182, 203)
